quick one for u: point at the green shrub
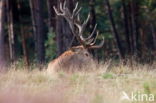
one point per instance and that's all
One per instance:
(50, 46)
(107, 76)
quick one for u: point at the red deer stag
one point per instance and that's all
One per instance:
(78, 57)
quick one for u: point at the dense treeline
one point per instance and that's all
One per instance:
(30, 29)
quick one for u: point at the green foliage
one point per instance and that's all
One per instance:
(50, 46)
(107, 76)
(18, 65)
(61, 74)
(74, 78)
(147, 88)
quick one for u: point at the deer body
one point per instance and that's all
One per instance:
(77, 58)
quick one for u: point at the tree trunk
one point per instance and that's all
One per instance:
(126, 25)
(24, 47)
(135, 26)
(2, 48)
(51, 14)
(59, 36)
(38, 28)
(92, 23)
(10, 29)
(130, 27)
(92, 15)
(153, 35)
(121, 50)
(64, 35)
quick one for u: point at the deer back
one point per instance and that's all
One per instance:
(75, 59)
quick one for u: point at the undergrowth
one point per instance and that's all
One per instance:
(104, 85)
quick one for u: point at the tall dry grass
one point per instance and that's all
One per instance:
(103, 85)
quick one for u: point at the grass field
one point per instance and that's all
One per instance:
(105, 85)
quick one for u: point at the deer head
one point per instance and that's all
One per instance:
(79, 55)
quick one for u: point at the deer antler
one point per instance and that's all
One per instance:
(74, 21)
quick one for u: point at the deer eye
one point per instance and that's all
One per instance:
(87, 54)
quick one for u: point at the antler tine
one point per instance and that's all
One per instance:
(79, 29)
(95, 39)
(75, 9)
(61, 8)
(57, 12)
(82, 27)
(77, 12)
(85, 24)
(92, 41)
(92, 34)
(78, 17)
(89, 41)
(98, 46)
(64, 5)
(86, 21)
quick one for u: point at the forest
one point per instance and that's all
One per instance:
(77, 51)
(31, 32)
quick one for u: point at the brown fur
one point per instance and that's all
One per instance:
(75, 59)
